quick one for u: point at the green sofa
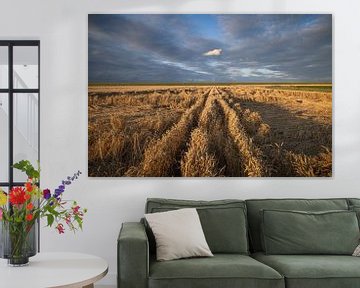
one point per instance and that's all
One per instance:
(233, 231)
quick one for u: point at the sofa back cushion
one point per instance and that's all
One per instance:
(298, 232)
(353, 202)
(354, 205)
(255, 206)
(223, 221)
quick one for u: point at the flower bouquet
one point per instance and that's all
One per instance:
(21, 208)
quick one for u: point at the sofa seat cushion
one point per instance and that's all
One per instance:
(313, 271)
(222, 270)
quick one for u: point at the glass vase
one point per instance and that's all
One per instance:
(18, 242)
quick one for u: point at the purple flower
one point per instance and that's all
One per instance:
(46, 194)
(68, 181)
(58, 192)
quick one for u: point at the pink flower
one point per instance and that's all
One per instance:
(1, 213)
(60, 228)
(76, 210)
(68, 219)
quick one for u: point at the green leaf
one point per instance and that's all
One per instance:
(26, 167)
(79, 221)
(50, 219)
(53, 211)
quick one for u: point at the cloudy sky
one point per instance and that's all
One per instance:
(210, 48)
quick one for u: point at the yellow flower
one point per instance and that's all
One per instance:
(3, 198)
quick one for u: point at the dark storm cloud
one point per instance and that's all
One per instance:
(173, 48)
(292, 44)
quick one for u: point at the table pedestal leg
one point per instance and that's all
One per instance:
(89, 286)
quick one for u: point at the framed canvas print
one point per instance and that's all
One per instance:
(210, 95)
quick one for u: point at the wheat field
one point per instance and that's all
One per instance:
(210, 131)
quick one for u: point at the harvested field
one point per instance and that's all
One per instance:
(210, 131)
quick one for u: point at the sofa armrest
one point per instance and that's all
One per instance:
(133, 256)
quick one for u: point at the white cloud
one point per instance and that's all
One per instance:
(182, 66)
(214, 52)
(255, 72)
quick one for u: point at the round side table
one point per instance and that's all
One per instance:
(50, 270)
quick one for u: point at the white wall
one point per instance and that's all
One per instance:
(61, 25)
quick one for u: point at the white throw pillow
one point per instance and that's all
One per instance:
(178, 234)
(357, 251)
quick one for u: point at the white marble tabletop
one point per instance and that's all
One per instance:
(60, 270)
